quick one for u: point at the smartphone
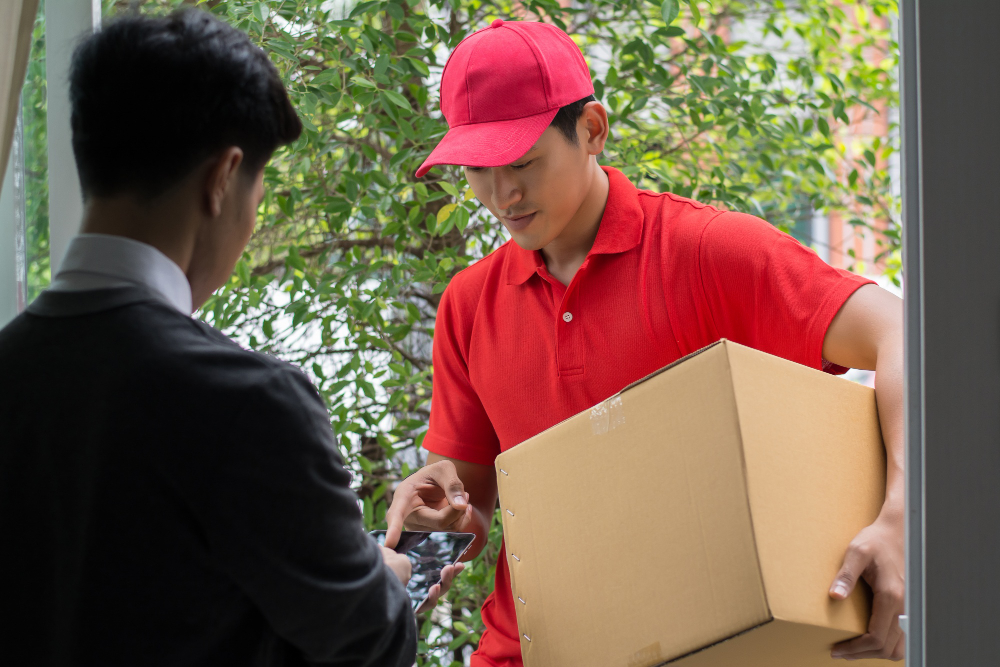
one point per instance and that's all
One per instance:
(429, 553)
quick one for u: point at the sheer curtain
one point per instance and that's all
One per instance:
(17, 18)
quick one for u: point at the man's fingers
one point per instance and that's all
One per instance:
(885, 618)
(398, 563)
(883, 628)
(448, 575)
(900, 651)
(437, 591)
(883, 632)
(855, 647)
(394, 519)
(892, 650)
(417, 502)
(425, 518)
(856, 561)
(445, 475)
(865, 646)
(432, 599)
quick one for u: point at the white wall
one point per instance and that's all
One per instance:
(66, 22)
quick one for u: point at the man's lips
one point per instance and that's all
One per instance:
(518, 222)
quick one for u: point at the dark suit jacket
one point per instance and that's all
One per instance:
(169, 498)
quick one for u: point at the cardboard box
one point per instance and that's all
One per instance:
(697, 518)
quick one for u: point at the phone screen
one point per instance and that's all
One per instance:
(429, 553)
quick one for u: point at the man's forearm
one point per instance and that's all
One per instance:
(868, 333)
(889, 395)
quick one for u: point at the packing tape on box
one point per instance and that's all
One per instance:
(651, 655)
(607, 415)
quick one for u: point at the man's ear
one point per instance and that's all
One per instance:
(221, 176)
(593, 127)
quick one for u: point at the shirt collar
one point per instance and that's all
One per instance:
(620, 230)
(120, 258)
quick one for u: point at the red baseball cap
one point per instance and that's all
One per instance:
(501, 88)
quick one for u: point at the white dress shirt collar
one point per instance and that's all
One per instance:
(97, 261)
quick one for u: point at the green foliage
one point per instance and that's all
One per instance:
(34, 113)
(740, 103)
(669, 11)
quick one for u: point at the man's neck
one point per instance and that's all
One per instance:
(564, 255)
(162, 226)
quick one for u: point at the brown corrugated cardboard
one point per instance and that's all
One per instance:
(698, 518)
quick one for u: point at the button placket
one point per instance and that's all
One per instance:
(569, 330)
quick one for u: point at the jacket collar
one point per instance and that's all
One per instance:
(53, 303)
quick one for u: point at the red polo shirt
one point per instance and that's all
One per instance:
(516, 351)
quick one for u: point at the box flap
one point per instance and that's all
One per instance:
(628, 528)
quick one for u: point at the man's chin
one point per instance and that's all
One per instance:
(528, 240)
(529, 243)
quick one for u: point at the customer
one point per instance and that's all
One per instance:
(167, 497)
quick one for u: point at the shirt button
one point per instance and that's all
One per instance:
(567, 317)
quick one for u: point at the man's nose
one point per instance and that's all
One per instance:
(506, 190)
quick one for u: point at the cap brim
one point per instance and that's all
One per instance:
(491, 144)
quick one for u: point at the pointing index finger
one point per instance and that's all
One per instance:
(393, 532)
(395, 516)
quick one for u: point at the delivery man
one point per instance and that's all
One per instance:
(600, 285)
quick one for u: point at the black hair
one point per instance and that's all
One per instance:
(566, 117)
(151, 98)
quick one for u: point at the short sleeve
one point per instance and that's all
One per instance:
(459, 426)
(767, 291)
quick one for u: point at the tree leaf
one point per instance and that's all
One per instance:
(824, 126)
(398, 99)
(363, 82)
(695, 13)
(326, 75)
(395, 11)
(462, 219)
(362, 8)
(282, 47)
(261, 11)
(243, 271)
(419, 65)
(445, 212)
(669, 10)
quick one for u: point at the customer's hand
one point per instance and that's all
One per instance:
(438, 590)
(876, 555)
(398, 563)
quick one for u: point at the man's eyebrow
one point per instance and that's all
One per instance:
(526, 152)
